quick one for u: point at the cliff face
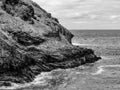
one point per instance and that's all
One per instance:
(32, 41)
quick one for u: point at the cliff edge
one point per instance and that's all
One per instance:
(32, 41)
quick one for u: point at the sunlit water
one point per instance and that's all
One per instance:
(102, 75)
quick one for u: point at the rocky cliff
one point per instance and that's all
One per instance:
(32, 41)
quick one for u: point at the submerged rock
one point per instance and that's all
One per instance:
(32, 41)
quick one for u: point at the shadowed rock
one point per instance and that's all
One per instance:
(32, 41)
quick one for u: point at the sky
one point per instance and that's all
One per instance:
(84, 14)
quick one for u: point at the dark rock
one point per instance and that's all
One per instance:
(19, 8)
(11, 2)
(28, 49)
(5, 84)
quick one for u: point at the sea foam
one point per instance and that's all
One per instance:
(39, 80)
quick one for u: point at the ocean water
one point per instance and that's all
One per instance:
(102, 75)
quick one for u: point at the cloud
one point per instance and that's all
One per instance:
(86, 11)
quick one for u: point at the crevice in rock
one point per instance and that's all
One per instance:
(26, 39)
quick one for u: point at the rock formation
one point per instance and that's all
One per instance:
(32, 41)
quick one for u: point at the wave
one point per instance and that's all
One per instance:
(101, 69)
(39, 80)
(78, 44)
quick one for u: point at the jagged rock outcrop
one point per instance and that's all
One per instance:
(32, 41)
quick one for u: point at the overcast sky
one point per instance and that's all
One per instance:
(84, 14)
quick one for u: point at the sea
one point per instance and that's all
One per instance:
(101, 75)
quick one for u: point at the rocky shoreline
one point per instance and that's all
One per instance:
(32, 41)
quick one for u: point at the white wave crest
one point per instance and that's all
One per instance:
(101, 69)
(39, 80)
(78, 44)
